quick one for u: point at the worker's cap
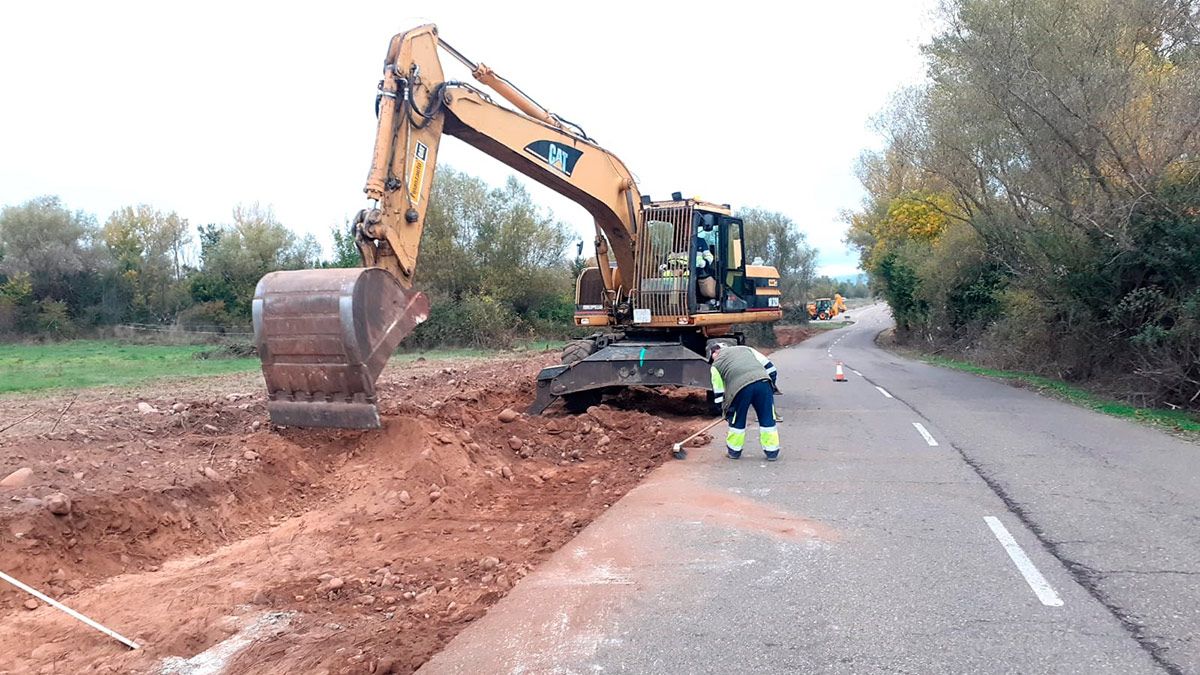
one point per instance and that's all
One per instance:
(712, 351)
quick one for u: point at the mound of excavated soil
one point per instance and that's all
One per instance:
(786, 336)
(194, 528)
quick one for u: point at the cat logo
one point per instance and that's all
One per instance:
(561, 157)
(558, 158)
(417, 180)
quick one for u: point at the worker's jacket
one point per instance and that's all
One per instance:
(734, 369)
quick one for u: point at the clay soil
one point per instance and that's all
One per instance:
(786, 336)
(222, 544)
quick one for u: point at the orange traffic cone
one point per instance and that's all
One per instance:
(839, 376)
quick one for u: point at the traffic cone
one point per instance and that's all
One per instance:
(839, 376)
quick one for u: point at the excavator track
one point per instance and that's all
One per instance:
(324, 336)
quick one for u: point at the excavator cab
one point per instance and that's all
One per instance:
(733, 265)
(691, 263)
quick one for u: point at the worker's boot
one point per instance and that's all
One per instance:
(772, 455)
(733, 454)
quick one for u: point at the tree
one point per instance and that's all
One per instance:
(345, 251)
(148, 249)
(774, 237)
(1036, 197)
(520, 250)
(492, 242)
(493, 263)
(234, 257)
(52, 245)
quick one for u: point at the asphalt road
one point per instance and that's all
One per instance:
(920, 520)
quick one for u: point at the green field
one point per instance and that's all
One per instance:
(95, 363)
(1173, 420)
(828, 325)
(104, 363)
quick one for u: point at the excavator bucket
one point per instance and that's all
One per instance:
(324, 336)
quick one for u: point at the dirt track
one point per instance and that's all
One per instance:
(197, 525)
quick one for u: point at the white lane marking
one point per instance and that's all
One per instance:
(925, 432)
(884, 392)
(856, 372)
(1033, 577)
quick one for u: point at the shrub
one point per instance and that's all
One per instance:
(210, 317)
(478, 321)
(54, 319)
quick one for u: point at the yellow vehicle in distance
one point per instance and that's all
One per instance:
(824, 309)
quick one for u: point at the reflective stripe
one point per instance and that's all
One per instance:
(766, 363)
(718, 383)
(768, 438)
(735, 438)
(719, 398)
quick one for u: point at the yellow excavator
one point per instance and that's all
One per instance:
(824, 309)
(669, 277)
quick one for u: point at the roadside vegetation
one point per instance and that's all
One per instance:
(1164, 418)
(833, 324)
(499, 270)
(1035, 206)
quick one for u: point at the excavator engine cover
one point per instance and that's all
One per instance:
(324, 336)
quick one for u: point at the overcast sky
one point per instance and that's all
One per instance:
(194, 107)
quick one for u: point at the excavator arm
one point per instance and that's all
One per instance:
(324, 335)
(417, 105)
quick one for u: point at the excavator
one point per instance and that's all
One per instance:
(668, 277)
(824, 309)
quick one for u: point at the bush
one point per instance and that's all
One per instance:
(1007, 216)
(229, 350)
(10, 317)
(479, 321)
(54, 319)
(759, 334)
(210, 317)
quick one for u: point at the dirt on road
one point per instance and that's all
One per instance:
(176, 515)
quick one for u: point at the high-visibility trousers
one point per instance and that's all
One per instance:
(761, 397)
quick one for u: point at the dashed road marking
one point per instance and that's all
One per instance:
(884, 391)
(1042, 588)
(856, 372)
(925, 432)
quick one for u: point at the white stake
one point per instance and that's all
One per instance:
(59, 606)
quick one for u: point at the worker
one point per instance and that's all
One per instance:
(743, 378)
(706, 273)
